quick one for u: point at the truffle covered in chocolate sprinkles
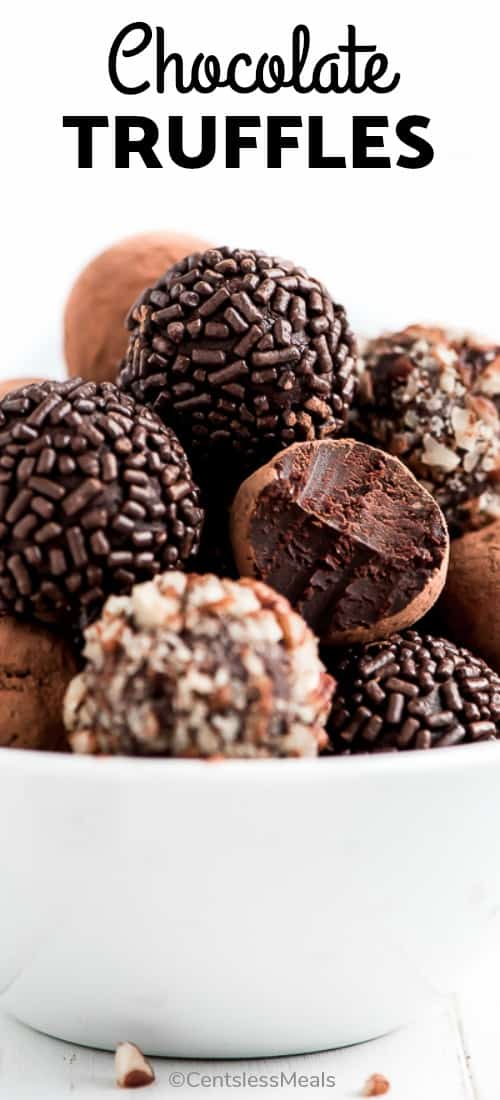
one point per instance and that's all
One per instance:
(412, 691)
(423, 401)
(95, 494)
(199, 666)
(241, 353)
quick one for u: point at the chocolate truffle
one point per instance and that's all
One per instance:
(412, 691)
(95, 494)
(198, 666)
(418, 402)
(346, 532)
(242, 354)
(36, 665)
(95, 337)
(469, 608)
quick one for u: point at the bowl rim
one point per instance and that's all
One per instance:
(133, 769)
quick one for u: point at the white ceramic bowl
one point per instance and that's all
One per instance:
(248, 908)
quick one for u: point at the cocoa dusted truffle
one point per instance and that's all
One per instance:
(346, 532)
(469, 608)
(36, 665)
(412, 691)
(243, 354)
(95, 494)
(199, 666)
(420, 402)
(95, 337)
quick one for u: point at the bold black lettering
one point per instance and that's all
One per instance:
(362, 141)
(316, 157)
(144, 145)
(85, 126)
(276, 141)
(404, 131)
(175, 142)
(235, 140)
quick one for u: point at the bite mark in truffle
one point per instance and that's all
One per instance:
(198, 666)
(347, 534)
(242, 354)
(412, 691)
(95, 493)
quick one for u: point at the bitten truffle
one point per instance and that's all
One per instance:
(346, 532)
(36, 665)
(469, 608)
(95, 337)
(412, 691)
(419, 401)
(198, 666)
(242, 354)
(95, 494)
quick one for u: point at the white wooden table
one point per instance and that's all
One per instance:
(452, 1053)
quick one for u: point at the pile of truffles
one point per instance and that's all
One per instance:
(219, 537)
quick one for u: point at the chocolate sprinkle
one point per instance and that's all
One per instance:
(254, 356)
(69, 516)
(411, 691)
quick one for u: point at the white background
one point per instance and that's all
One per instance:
(395, 245)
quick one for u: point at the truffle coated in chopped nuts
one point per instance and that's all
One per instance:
(95, 494)
(411, 691)
(95, 337)
(36, 665)
(243, 354)
(419, 400)
(193, 665)
(480, 363)
(346, 532)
